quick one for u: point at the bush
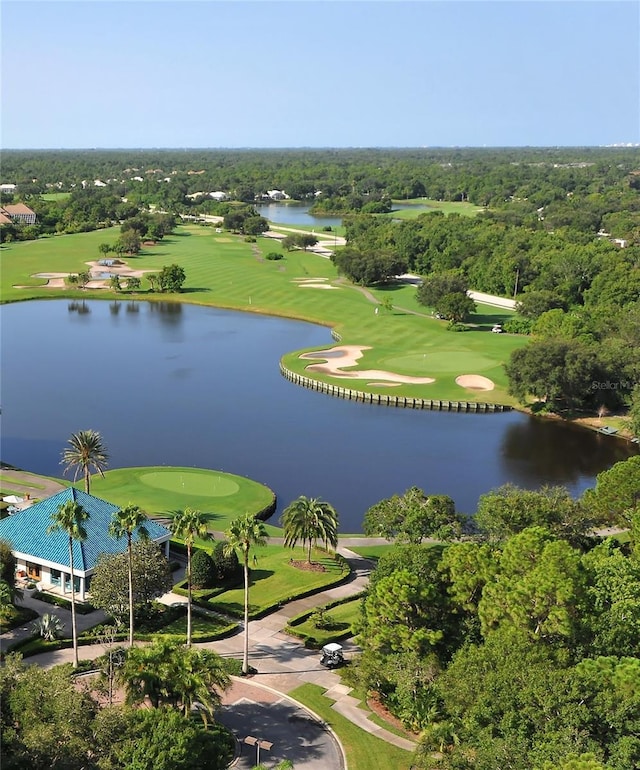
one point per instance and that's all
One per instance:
(82, 608)
(249, 238)
(273, 255)
(518, 326)
(203, 570)
(453, 326)
(226, 566)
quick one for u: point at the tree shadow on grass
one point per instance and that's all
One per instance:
(255, 575)
(486, 321)
(192, 289)
(391, 287)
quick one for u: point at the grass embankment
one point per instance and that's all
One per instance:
(224, 271)
(363, 750)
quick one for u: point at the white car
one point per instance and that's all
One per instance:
(497, 329)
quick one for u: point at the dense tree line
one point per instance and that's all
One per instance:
(518, 646)
(529, 177)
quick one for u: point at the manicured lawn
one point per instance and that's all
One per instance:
(373, 552)
(448, 207)
(224, 271)
(274, 580)
(222, 497)
(57, 196)
(363, 750)
(342, 617)
(202, 628)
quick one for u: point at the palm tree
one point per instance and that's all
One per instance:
(70, 518)
(245, 532)
(187, 525)
(309, 519)
(124, 523)
(198, 677)
(170, 674)
(85, 452)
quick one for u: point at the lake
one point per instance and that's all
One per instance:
(175, 384)
(298, 214)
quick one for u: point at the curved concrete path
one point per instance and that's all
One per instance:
(23, 483)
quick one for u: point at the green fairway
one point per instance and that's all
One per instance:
(221, 497)
(57, 196)
(225, 271)
(448, 207)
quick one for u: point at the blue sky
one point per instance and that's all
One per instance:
(319, 74)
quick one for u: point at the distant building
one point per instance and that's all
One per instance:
(218, 195)
(17, 213)
(7, 188)
(277, 195)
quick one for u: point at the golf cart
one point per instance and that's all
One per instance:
(332, 656)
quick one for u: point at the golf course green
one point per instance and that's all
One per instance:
(160, 491)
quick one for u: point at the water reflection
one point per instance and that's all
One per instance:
(80, 307)
(561, 453)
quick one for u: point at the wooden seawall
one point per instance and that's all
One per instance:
(405, 402)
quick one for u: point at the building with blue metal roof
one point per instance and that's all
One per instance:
(43, 556)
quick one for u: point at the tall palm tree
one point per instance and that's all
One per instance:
(243, 534)
(171, 674)
(198, 677)
(309, 519)
(187, 525)
(124, 523)
(84, 453)
(70, 518)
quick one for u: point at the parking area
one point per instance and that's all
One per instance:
(254, 711)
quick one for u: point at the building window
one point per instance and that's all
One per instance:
(55, 577)
(33, 570)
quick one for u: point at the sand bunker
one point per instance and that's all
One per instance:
(339, 357)
(57, 280)
(475, 382)
(313, 283)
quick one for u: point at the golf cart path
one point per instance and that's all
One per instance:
(28, 483)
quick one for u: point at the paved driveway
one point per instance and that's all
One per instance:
(250, 709)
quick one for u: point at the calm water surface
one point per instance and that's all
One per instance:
(295, 214)
(298, 213)
(184, 385)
